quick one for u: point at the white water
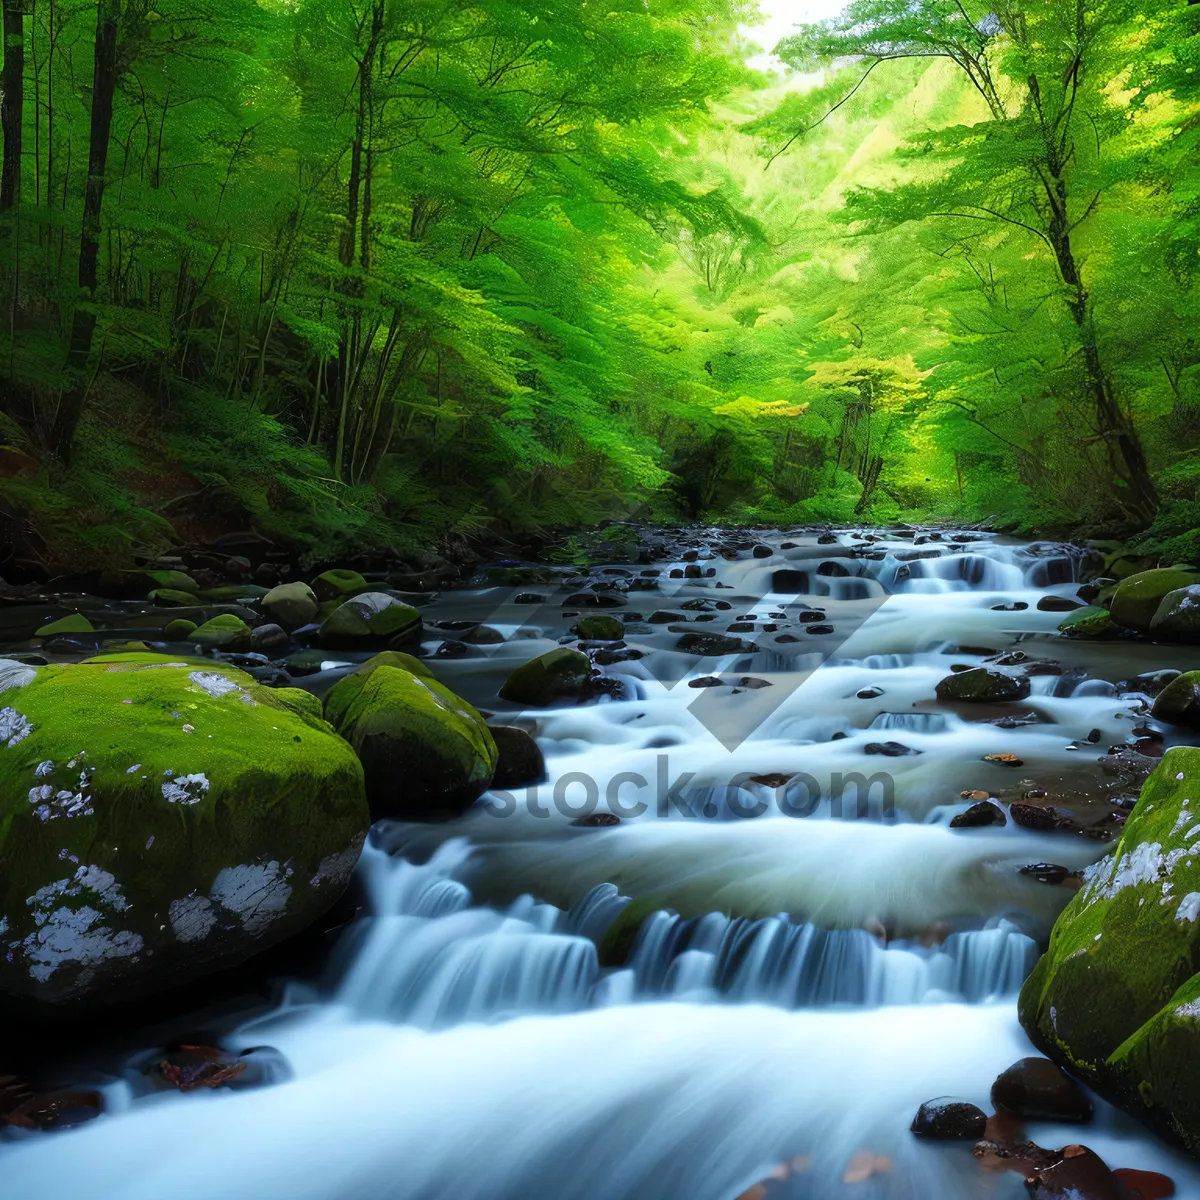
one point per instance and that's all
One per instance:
(467, 1042)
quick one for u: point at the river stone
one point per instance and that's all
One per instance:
(75, 623)
(368, 619)
(1039, 1090)
(160, 818)
(949, 1120)
(269, 638)
(338, 584)
(1179, 702)
(558, 675)
(180, 630)
(1178, 616)
(175, 581)
(1116, 997)
(600, 629)
(520, 762)
(426, 753)
(1136, 600)
(225, 632)
(172, 598)
(291, 604)
(982, 685)
(1089, 622)
(714, 644)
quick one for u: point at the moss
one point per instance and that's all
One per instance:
(75, 623)
(558, 675)
(1179, 702)
(425, 751)
(600, 629)
(1137, 599)
(233, 592)
(178, 631)
(338, 584)
(226, 632)
(300, 701)
(1090, 622)
(291, 604)
(170, 598)
(1129, 939)
(372, 617)
(151, 791)
(983, 686)
(178, 581)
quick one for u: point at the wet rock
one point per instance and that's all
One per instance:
(1041, 817)
(706, 681)
(180, 630)
(827, 539)
(226, 632)
(75, 623)
(1137, 598)
(1177, 618)
(808, 617)
(160, 819)
(291, 604)
(605, 656)
(552, 678)
(483, 635)
(751, 684)
(714, 644)
(170, 598)
(1021, 1156)
(596, 600)
(271, 639)
(1050, 873)
(370, 619)
(600, 629)
(980, 814)
(788, 582)
(1039, 1090)
(1013, 606)
(889, 749)
(596, 821)
(833, 569)
(529, 598)
(1086, 623)
(1004, 760)
(761, 551)
(775, 779)
(818, 629)
(949, 1120)
(187, 1067)
(1179, 702)
(1145, 1185)
(1058, 604)
(983, 685)
(23, 1107)
(869, 693)
(1128, 765)
(519, 762)
(1078, 1174)
(338, 584)
(426, 753)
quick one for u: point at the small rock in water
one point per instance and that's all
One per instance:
(982, 685)
(1078, 1174)
(1039, 816)
(1015, 606)
(529, 598)
(520, 762)
(187, 1067)
(979, 815)
(1040, 1090)
(949, 1120)
(1004, 760)
(869, 693)
(597, 821)
(1145, 1185)
(750, 683)
(820, 629)
(1051, 873)
(889, 749)
(25, 1108)
(775, 779)
(1058, 604)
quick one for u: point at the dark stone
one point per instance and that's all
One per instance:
(949, 1120)
(187, 1066)
(978, 815)
(596, 821)
(818, 629)
(761, 551)
(869, 693)
(833, 569)
(706, 681)
(808, 617)
(665, 617)
(1078, 1174)
(1050, 873)
(889, 749)
(983, 685)
(25, 1108)
(529, 598)
(707, 644)
(520, 761)
(752, 684)
(1057, 604)
(1038, 816)
(1039, 1090)
(789, 583)
(1015, 606)
(595, 600)
(827, 539)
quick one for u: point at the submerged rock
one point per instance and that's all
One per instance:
(551, 678)
(426, 753)
(1116, 997)
(160, 818)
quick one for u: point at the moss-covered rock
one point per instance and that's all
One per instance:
(233, 593)
(370, 619)
(291, 604)
(600, 629)
(983, 685)
(1091, 622)
(1105, 1000)
(338, 584)
(1136, 600)
(178, 581)
(226, 632)
(300, 701)
(75, 623)
(173, 598)
(1179, 702)
(160, 818)
(558, 675)
(180, 630)
(427, 753)
(1178, 616)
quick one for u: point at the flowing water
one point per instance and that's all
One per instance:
(800, 971)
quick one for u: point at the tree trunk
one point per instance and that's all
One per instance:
(83, 324)
(12, 82)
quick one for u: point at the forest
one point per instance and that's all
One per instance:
(369, 276)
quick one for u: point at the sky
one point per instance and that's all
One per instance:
(782, 15)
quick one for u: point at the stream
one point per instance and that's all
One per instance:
(814, 950)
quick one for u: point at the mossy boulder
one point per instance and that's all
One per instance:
(1179, 702)
(339, 584)
(233, 593)
(173, 598)
(600, 629)
(179, 630)
(160, 819)
(1178, 616)
(983, 685)
(1136, 600)
(1091, 622)
(298, 700)
(551, 678)
(370, 619)
(75, 623)
(178, 581)
(426, 753)
(226, 632)
(1116, 997)
(291, 604)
